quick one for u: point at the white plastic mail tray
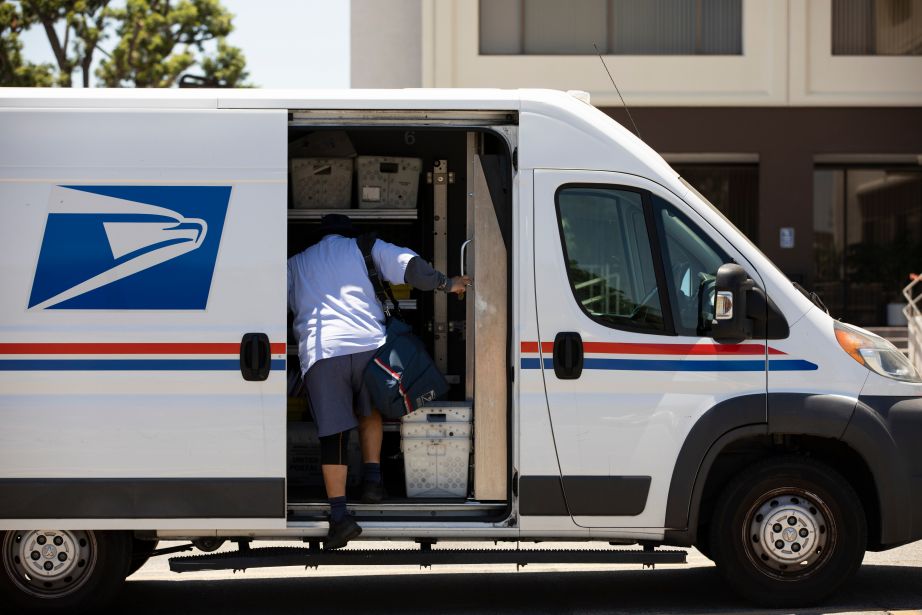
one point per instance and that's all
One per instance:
(442, 411)
(447, 429)
(321, 183)
(387, 183)
(436, 467)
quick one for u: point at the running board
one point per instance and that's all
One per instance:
(403, 507)
(268, 557)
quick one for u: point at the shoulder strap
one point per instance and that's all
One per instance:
(366, 242)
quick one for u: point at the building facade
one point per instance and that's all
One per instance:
(800, 119)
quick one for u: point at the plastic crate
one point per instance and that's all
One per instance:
(321, 183)
(436, 467)
(451, 412)
(387, 183)
(446, 429)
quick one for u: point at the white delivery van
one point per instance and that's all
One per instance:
(628, 367)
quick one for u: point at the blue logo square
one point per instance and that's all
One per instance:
(129, 247)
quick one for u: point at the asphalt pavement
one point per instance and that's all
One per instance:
(889, 582)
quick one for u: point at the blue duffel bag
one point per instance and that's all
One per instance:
(401, 377)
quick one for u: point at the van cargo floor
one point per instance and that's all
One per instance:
(267, 557)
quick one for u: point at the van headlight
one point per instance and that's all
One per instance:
(875, 353)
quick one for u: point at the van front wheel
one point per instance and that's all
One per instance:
(57, 571)
(788, 532)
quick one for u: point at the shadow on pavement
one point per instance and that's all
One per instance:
(700, 590)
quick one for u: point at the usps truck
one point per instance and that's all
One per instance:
(627, 368)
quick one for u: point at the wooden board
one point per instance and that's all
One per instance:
(487, 304)
(466, 267)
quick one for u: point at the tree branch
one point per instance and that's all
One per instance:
(60, 54)
(91, 43)
(85, 65)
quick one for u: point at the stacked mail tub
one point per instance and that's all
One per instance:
(436, 445)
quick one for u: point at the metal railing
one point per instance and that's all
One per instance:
(913, 313)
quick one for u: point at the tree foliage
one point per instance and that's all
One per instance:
(140, 43)
(14, 69)
(83, 25)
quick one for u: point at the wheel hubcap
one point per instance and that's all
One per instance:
(49, 563)
(789, 532)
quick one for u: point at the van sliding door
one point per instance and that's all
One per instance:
(486, 338)
(142, 353)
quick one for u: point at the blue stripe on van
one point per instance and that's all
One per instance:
(536, 363)
(681, 366)
(41, 365)
(791, 365)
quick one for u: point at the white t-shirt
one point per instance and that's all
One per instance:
(336, 312)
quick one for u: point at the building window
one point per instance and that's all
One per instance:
(877, 27)
(732, 188)
(867, 238)
(617, 27)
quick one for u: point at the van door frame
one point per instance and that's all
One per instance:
(504, 125)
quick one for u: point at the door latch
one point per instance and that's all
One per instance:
(255, 356)
(568, 355)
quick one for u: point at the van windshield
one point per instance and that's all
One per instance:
(812, 296)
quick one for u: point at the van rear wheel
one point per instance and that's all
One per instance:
(56, 571)
(788, 532)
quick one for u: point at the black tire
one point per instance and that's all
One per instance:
(86, 582)
(141, 550)
(788, 532)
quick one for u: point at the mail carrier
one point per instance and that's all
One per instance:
(626, 368)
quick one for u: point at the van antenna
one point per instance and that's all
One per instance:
(630, 117)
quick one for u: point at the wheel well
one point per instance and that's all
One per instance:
(834, 453)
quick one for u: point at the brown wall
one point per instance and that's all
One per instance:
(786, 140)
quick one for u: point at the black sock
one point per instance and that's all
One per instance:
(371, 473)
(337, 508)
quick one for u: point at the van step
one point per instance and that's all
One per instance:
(267, 557)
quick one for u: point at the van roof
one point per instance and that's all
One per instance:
(557, 130)
(203, 98)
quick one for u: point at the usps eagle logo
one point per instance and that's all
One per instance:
(129, 247)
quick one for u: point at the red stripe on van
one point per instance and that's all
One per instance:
(664, 349)
(530, 346)
(132, 348)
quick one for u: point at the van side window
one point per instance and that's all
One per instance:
(608, 256)
(691, 260)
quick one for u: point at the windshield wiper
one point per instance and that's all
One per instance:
(812, 296)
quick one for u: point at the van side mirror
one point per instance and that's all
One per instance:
(731, 324)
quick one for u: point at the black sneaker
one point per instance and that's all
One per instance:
(341, 533)
(372, 493)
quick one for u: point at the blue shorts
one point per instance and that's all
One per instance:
(336, 392)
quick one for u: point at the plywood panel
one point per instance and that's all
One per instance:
(467, 267)
(488, 301)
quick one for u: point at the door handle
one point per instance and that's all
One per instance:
(568, 355)
(255, 356)
(464, 254)
(463, 263)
